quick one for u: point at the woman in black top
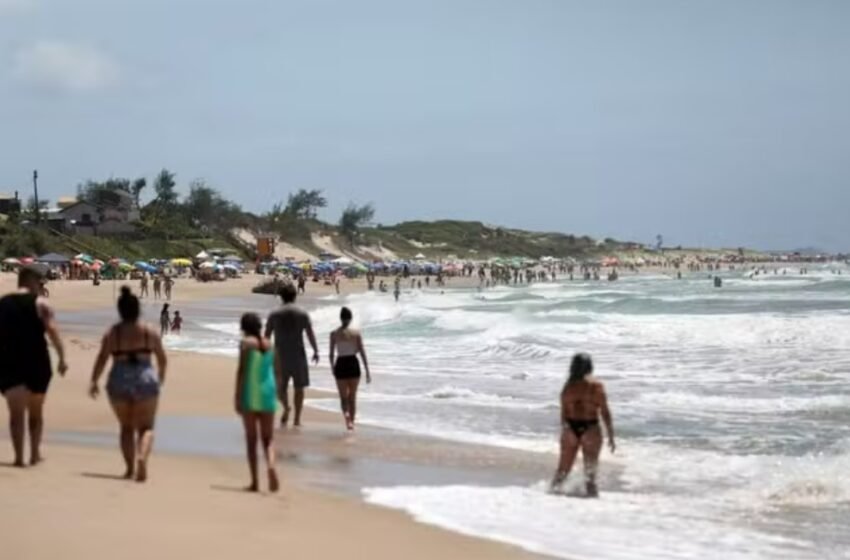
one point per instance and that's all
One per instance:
(25, 369)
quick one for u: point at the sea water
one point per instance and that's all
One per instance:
(731, 405)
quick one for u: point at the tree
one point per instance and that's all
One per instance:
(205, 206)
(136, 190)
(304, 204)
(354, 218)
(165, 187)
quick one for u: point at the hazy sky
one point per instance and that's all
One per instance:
(709, 121)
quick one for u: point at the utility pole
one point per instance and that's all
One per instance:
(35, 192)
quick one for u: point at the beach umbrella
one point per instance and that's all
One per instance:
(232, 258)
(419, 257)
(207, 265)
(181, 262)
(84, 257)
(203, 255)
(144, 267)
(53, 258)
(11, 260)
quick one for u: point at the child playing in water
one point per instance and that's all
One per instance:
(255, 398)
(176, 323)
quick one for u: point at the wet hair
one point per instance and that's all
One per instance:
(288, 293)
(128, 306)
(165, 307)
(251, 324)
(581, 367)
(345, 315)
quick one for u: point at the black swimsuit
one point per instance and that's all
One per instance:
(580, 427)
(23, 349)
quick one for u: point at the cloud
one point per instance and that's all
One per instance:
(65, 66)
(11, 6)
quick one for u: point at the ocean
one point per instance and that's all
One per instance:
(731, 405)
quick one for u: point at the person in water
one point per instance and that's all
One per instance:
(255, 397)
(133, 385)
(164, 320)
(176, 323)
(25, 369)
(583, 401)
(289, 324)
(347, 343)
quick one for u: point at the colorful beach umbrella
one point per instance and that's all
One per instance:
(181, 262)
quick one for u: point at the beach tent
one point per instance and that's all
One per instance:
(53, 258)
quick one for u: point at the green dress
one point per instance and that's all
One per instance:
(259, 392)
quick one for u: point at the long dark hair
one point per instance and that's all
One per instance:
(345, 315)
(581, 367)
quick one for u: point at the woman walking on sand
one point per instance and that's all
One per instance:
(133, 385)
(346, 369)
(583, 401)
(255, 397)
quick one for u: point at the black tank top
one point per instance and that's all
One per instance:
(22, 343)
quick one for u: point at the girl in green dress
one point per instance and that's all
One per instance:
(256, 397)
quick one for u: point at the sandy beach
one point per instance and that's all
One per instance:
(74, 506)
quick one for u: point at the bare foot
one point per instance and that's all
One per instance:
(284, 420)
(141, 471)
(592, 490)
(36, 459)
(254, 487)
(274, 483)
(297, 422)
(19, 463)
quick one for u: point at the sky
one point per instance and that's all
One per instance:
(712, 123)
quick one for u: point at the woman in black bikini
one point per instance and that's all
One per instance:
(346, 345)
(583, 401)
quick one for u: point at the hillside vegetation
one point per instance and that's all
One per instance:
(172, 225)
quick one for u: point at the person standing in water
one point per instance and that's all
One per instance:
(25, 369)
(133, 385)
(397, 289)
(583, 401)
(177, 323)
(164, 320)
(346, 369)
(289, 323)
(157, 287)
(255, 397)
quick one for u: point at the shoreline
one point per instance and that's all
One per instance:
(323, 469)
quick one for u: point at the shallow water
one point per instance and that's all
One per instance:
(732, 407)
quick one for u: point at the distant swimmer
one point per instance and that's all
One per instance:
(583, 401)
(256, 397)
(133, 385)
(346, 345)
(718, 282)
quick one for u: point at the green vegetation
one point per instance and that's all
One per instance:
(171, 226)
(477, 240)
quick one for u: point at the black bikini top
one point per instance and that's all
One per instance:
(131, 354)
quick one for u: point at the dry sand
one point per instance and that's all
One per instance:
(72, 507)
